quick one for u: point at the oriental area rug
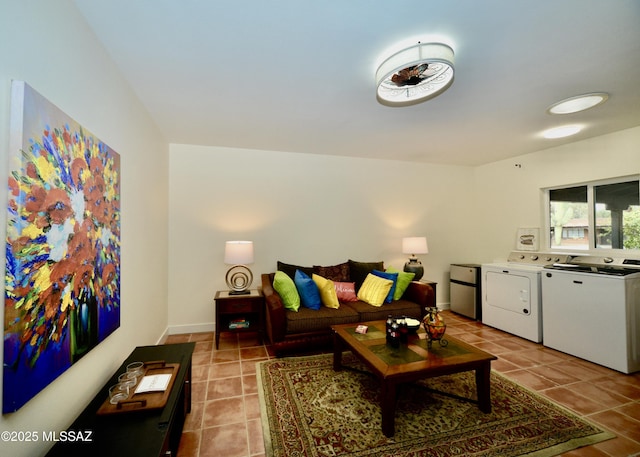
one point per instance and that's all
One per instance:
(310, 410)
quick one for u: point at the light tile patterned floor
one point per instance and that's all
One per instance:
(225, 416)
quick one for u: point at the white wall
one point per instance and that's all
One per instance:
(48, 45)
(508, 197)
(303, 209)
(307, 209)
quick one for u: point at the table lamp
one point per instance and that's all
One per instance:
(239, 277)
(414, 245)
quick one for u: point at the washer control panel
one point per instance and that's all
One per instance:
(537, 258)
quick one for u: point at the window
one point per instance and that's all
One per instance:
(569, 218)
(600, 215)
(573, 233)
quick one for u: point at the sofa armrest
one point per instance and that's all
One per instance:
(422, 294)
(276, 321)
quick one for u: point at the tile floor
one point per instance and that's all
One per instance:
(225, 416)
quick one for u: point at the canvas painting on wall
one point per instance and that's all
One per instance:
(62, 276)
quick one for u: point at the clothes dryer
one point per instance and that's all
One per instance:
(511, 293)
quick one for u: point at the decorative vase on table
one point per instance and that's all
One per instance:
(435, 327)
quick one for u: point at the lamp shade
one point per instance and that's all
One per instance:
(238, 252)
(415, 245)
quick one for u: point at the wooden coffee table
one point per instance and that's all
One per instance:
(410, 362)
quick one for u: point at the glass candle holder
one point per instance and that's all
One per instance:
(129, 378)
(117, 393)
(136, 368)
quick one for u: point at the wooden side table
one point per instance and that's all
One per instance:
(239, 313)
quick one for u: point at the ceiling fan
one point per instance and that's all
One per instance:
(413, 75)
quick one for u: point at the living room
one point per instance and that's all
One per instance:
(181, 202)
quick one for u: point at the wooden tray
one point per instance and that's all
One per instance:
(148, 400)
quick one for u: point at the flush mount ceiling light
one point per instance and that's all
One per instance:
(415, 74)
(578, 103)
(561, 132)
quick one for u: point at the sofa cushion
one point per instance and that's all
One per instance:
(346, 291)
(374, 290)
(287, 290)
(290, 269)
(309, 295)
(327, 290)
(360, 270)
(404, 279)
(308, 320)
(375, 313)
(390, 276)
(339, 272)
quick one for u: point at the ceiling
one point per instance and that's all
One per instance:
(299, 76)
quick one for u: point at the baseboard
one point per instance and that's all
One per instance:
(190, 328)
(163, 337)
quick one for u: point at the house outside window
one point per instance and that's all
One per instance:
(596, 215)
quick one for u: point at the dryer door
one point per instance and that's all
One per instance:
(509, 291)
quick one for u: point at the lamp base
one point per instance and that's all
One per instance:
(240, 292)
(239, 279)
(414, 266)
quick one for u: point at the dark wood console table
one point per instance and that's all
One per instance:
(136, 433)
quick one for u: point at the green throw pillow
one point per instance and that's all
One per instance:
(404, 279)
(287, 290)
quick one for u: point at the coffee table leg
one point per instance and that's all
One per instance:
(337, 352)
(483, 384)
(388, 403)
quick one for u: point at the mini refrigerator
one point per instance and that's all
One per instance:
(465, 295)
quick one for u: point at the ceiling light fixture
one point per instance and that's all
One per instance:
(561, 132)
(415, 74)
(578, 103)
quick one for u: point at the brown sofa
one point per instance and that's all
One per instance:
(309, 330)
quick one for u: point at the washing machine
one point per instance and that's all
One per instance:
(512, 295)
(591, 309)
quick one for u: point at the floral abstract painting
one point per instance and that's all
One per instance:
(62, 276)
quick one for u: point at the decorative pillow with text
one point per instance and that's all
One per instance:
(346, 291)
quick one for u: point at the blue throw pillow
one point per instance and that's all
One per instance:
(393, 277)
(309, 294)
